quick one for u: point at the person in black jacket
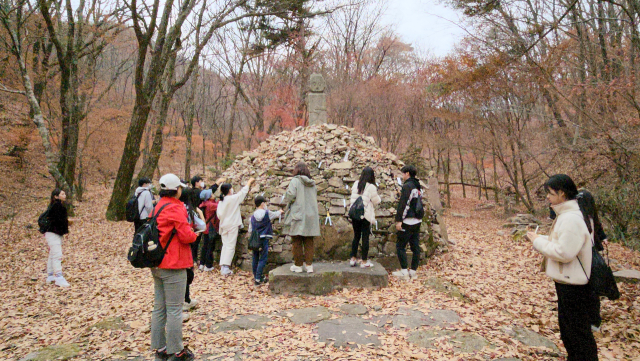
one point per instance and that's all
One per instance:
(58, 227)
(407, 225)
(589, 210)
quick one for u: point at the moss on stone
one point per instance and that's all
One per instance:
(55, 352)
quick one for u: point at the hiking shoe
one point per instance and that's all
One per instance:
(309, 269)
(413, 274)
(185, 316)
(401, 274)
(189, 305)
(184, 355)
(353, 263)
(208, 269)
(161, 355)
(366, 264)
(60, 281)
(51, 278)
(296, 269)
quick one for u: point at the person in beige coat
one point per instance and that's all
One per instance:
(567, 252)
(365, 188)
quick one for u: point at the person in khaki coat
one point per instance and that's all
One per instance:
(301, 221)
(365, 188)
(567, 252)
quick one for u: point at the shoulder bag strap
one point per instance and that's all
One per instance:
(137, 198)
(173, 233)
(592, 244)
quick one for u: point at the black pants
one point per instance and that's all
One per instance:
(575, 307)
(194, 248)
(595, 318)
(361, 229)
(409, 234)
(208, 245)
(190, 276)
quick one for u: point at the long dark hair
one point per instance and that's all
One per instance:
(590, 213)
(564, 183)
(301, 169)
(367, 176)
(56, 192)
(224, 190)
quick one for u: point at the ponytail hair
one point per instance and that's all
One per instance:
(224, 190)
(56, 192)
(564, 183)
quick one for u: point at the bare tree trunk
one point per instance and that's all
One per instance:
(447, 171)
(189, 126)
(464, 191)
(495, 177)
(38, 119)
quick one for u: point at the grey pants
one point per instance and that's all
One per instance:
(166, 318)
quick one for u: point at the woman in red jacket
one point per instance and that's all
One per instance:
(170, 278)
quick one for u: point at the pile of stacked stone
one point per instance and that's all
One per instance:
(521, 222)
(335, 156)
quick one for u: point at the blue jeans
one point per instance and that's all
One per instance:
(260, 259)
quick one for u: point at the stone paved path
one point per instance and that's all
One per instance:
(351, 326)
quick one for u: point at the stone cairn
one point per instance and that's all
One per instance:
(520, 223)
(335, 156)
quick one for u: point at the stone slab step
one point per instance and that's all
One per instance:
(326, 278)
(627, 276)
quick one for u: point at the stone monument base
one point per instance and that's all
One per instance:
(326, 278)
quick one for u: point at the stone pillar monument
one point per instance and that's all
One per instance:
(317, 100)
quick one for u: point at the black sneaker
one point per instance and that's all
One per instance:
(184, 355)
(162, 355)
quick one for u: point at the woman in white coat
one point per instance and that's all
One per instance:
(365, 188)
(230, 222)
(567, 252)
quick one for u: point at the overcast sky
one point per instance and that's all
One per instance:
(422, 23)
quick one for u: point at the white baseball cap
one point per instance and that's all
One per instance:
(171, 182)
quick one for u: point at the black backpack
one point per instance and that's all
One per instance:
(44, 222)
(356, 212)
(146, 250)
(414, 208)
(417, 206)
(132, 209)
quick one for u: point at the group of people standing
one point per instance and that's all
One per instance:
(190, 214)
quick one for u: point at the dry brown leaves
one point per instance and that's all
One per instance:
(498, 276)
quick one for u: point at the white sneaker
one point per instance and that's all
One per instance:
(208, 269)
(595, 328)
(201, 268)
(185, 317)
(296, 269)
(309, 269)
(353, 263)
(413, 274)
(189, 305)
(51, 278)
(366, 264)
(401, 274)
(60, 281)
(225, 271)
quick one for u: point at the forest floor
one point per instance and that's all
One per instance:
(498, 276)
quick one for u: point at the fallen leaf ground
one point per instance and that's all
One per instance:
(498, 276)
